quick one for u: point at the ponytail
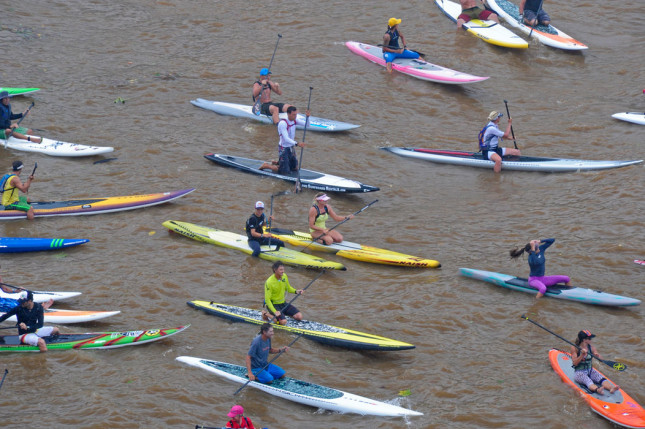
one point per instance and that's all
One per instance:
(518, 251)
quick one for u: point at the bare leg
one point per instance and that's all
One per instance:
(498, 162)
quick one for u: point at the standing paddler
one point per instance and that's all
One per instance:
(287, 160)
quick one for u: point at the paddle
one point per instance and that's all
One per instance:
(537, 22)
(258, 103)
(298, 294)
(34, 170)
(340, 223)
(19, 121)
(302, 149)
(615, 365)
(15, 287)
(267, 365)
(509, 117)
(421, 54)
(209, 427)
(9, 327)
(6, 371)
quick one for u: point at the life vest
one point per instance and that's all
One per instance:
(394, 39)
(233, 424)
(321, 218)
(584, 365)
(484, 145)
(7, 190)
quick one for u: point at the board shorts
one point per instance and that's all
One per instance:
(541, 16)
(264, 108)
(19, 130)
(501, 151)
(32, 338)
(270, 373)
(287, 161)
(20, 205)
(587, 378)
(290, 311)
(474, 13)
(391, 56)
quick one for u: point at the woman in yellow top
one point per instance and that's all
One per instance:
(319, 212)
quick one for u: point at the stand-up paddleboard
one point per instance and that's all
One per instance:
(315, 331)
(71, 316)
(354, 251)
(240, 242)
(97, 340)
(416, 68)
(308, 178)
(487, 30)
(633, 117)
(303, 392)
(639, 262)
(243, 111)
(518, 163)
(90, 206)
(617, 407)
(23, 244)
(39, 295)
(55, 148)
(19, 91)
(571, 293)
(549, 35)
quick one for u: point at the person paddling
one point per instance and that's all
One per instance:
(237, 418)
(262, 88)
(537, 262)
(532, 14)
(489, 138)
(255, 231)
(31, 317)
(391, 47)
(287, 160)
(585, 374)
(275, 289)
(319, 212)
(9, 129)
(10, 184)
(258, 355)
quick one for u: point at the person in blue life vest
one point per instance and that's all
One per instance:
(391, 46)
(585, 374)
(490, 137)
(6, 116)
(532, 14)
(257, 357)
(10, 185)
(287, 160)
(30, 316)
(262, 88)
(255, 231)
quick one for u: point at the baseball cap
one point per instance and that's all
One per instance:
(393, 21)
(236, 410)
(259, 205)
(585, 334)
(265, 71)
(28, 297)
(494, 115)
(17, 165)
(4, 94)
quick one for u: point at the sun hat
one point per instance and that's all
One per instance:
(236, 410)
(323, 197)
(259, 205)
(583, 335)
(393, 21)
(265, 71)
(494, 115)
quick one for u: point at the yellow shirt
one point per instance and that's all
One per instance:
(275, 290)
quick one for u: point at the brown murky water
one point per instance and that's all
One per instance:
(476, 363)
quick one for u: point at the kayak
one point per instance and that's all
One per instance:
(71, 316)
(515, 163)
(39, 296)
(617, 407)
(487, 30)
(303, 392)
(633, 117)
(96, 340)
(90, 206)
(55, 147)
(243, 111)
(320, 332)
(416, 68)
(549, 35)
(354, 251)
(571, 293)
(310, 179)
(22, 244)
(19, 91)
(240, 242)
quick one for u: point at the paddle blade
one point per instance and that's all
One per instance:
(615, 365)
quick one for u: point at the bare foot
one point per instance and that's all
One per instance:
(613, 389)
(600, 390)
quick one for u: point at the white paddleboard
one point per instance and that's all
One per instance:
(633, 117)
(56, 148)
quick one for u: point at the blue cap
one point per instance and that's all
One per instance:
(264, 72)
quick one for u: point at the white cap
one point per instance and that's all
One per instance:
(323, 197)
(259, 205)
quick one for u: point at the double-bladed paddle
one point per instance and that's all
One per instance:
(302, 149)
(258, 102)
(615, 365)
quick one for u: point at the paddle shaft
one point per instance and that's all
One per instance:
(509, 117)
(20, 120)
(34, 170)
(340, 223)
(302, 149)
(267, 365)
(258, 102)
(536, 18)
(9, 327)
(421, 54)
(209, 427)
(297, 294)
(6, 371)
(15, 287)
(615, 365)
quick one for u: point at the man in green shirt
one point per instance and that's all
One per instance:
(275, 289)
